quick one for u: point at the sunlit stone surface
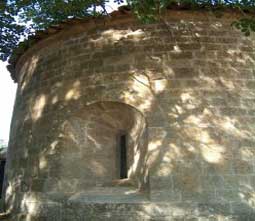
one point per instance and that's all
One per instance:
(182, 91)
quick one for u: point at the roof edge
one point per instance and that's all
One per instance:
(122, 11)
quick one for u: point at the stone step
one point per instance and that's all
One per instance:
(109, 194)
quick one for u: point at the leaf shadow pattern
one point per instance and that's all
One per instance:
(195, 89)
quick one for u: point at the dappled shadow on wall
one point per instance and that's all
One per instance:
(196, 143)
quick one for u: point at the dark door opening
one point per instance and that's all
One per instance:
(2, 165)
(123, 156)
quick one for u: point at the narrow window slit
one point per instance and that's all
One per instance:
(123, 156)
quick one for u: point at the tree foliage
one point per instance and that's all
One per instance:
(20, 18)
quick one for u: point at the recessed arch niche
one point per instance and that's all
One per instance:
(92, 138)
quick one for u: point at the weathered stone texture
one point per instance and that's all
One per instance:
(184, 90)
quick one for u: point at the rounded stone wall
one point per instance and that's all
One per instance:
(181, 92)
